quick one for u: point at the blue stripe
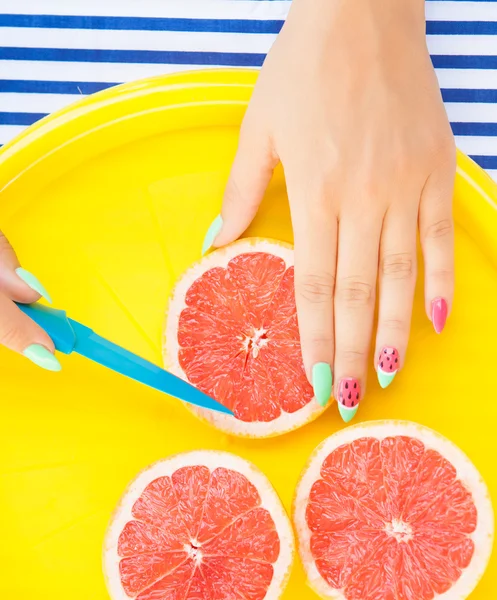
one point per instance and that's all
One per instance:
(486, 129)
(461, 27)
(441, 61)
(229, 59)
(456, 95)
(207, 25)
(27, 86)
(52, 87)
(19, 118)
(486, 162)
(142, 23)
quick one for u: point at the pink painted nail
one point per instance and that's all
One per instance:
(349, 395)
(387, 366)
(439, 311)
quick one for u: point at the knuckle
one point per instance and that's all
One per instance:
(5, 247)
(398, 266)
(393, 324)
(353, 355)
(11, 336)
(317, 339)
(316, 288)
(439, 229)
(445, 275)
(353, 292)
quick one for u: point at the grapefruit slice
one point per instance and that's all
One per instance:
(392, 511)
(232, 331)
(201, 525)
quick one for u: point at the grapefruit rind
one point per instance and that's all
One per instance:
(466, 472)
(211, 459)
(220, 258)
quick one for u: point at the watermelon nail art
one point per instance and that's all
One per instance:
(388, 365)
(349, 396)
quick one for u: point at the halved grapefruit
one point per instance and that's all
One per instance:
(392, 511)
(202, 525)
(232, 331)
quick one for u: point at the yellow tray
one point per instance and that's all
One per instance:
(107, 202)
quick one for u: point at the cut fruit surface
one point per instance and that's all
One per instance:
(392, 511)
(232, 332)
(201, 525)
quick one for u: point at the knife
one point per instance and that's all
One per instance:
(70, 336)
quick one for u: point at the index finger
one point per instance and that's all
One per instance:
(315, 233)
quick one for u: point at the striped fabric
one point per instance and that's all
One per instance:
(52, 51)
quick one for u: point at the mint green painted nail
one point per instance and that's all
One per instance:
(42, 357)
(346, 413)
(385, 379)
(212, 234)
(33, 283)
(322, 382)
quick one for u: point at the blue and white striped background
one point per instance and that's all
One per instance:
(52, 51)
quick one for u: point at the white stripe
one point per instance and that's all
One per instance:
(477, 145)
(203, 42)
(68, 71)
(458, 45)
(492, 173)
(7, 132)
(467, 78)
(471, 112)
(461, 11)
(184, 41)
(35, 103)
(200, 9)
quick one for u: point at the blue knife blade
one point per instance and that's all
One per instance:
(70, 336)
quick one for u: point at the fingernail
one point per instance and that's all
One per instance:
(439, 311)
(322, 382)
(42, 357)
(33, 283)
(349, 396)
(212, 234)
(388, 365)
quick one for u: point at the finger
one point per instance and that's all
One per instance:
(17, 283)
(437, 240)
(397, 280)
(358, 244)
(21, 334)
(315, 233)
(250, 175)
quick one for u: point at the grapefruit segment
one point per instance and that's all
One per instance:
(232, 331)
(200, 525)
(138, 571)
(392, 510)
(230, 495)
(191, 485)
(252, 535)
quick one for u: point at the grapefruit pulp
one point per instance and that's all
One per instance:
(202, 525)
(392, 511)
(232, 332)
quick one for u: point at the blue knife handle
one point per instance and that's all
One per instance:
(54, 322)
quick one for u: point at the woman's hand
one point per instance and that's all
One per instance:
(17, 331)
(348, 101)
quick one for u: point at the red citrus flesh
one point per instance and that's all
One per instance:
(390, 519)
(239, 339)
(198, 519)
(200, 532)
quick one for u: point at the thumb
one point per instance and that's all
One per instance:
(15, 282)
(250, 175)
